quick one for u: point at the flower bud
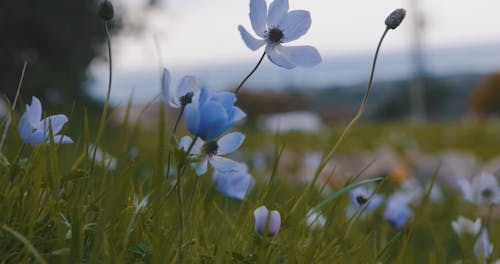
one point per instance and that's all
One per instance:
(395, 18)
(265, 218)
(106, 11)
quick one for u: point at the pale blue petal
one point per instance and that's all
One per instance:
(275, 56)
(295, 24)
(229, 143)
(260, 215)
(274, 223)
(226, 99)
(38, 137)
(185, 142)
(233, 184)
(224, 164)
(34, 111)
(165, 82)
(201, 167)
(258, 16)
(56, 121)
(25, 129)
(187, 85)
(213, 121)
(236, 115)
(60, 139)
(303, 56)
(251, 42)
(192, 117)
(205, 95)
(277, 10)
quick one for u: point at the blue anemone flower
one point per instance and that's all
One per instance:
(211, 113)
(35, 131)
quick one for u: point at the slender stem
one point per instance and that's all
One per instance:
(250, 74)
(169, 158)
(108, 95)
(7, 125)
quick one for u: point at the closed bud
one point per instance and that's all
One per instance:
(266, 220)
(106, 11)
(395, 18)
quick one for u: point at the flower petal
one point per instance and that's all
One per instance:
(186, 141)
(60, 139)
(295, 24)
(277, 10)
(165, 82)
(275, 56)
(201, 167)
(274, 223)
(225, 165)
(229, 143)
(260, 215)
(56, 121)
(187, 85)
(303, 56)
(34, 111)
(251, 42)
(233, 184)
(25, 129)
(258, 16)
(192, 116)
(214, 121)
(236, 115)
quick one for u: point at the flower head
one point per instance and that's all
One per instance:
(212, 151)
(184, 93)
(397, 211)
(466, 226)
(35, 131)
(395, 18)
(102, 158)
(234, 184)
(315, 219)
(267, 219)
(211, 113)
(483, 189)
(483, 247)
(365, 197)
(277, 25)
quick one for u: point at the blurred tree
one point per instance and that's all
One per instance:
(486, 97)
(58, 38)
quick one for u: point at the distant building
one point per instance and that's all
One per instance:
(292, 121)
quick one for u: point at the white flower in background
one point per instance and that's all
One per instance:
(483, 189)
(277, 25)
(102, 158)
(265, 218)
(466, 226)
(364, 198)
(184, 93)
(483, 247)
(141, 205)
(315, 219)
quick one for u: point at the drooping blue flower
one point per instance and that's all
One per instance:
(397, 211)
(234, 184)
(276, 26)
(265, 218)
(35, 131)
(212, 151)
(184, 93)
(211, 113)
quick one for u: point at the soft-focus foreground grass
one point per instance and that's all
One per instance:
(56, 207)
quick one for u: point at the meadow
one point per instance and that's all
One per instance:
(205, 188)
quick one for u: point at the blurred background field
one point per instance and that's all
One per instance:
(433, 109)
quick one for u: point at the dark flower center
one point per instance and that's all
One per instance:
(275, 35)
(361, 200)
(186, 99)
(487, 193)
(211, 148)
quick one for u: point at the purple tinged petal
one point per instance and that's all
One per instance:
(258, 16)
(235, 184)
(60, 139)
(295, 24)
(236, 115)
(251, 42)
(275, 55)
(277, 10)
(230, 143)
(187, 85)
(166, 81)
(303, 56)
(56, 122)
(483, 247)
(262, 216)
(201, 167)
(34, 111)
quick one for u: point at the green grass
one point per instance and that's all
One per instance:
(56, 208)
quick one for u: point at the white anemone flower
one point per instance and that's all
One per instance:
(483, 189)
(184, 93)
(212, 151)
(466, 226)
(275, 26)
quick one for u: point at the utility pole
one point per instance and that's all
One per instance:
(417, 82)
